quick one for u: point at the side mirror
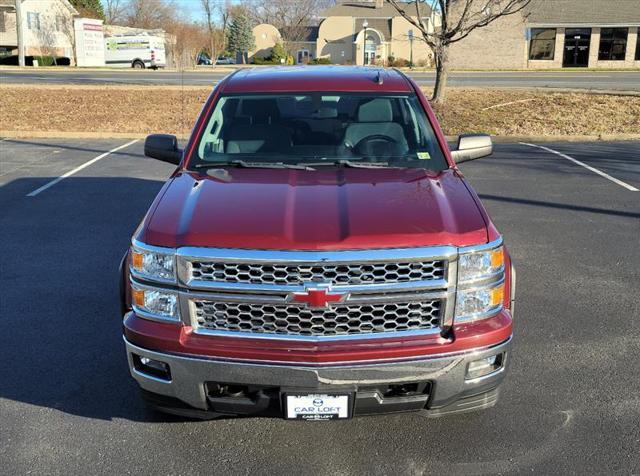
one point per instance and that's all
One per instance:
(471, 147)
(163, 147)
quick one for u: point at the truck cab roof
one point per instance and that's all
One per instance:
(317, 78)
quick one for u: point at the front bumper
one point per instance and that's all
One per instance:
(440, 382)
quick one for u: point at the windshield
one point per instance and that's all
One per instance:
(319, 128)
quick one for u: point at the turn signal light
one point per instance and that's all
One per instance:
(137, 297)
(497, 295)
(136, 260)
(497, 258)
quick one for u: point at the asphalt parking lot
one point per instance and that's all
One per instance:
(570, 404)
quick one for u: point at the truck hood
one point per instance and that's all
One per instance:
(328, 209)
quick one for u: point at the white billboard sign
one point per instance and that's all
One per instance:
(89, 42)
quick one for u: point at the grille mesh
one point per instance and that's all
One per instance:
(344, 274)
(338, 320)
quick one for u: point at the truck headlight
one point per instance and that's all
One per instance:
(477, 265)
(478, 303)
(152, 263)
(155, 303)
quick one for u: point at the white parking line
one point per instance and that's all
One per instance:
(79, 168)
(588, 167)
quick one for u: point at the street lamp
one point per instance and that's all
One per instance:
(365, 24)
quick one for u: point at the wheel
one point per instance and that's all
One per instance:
(137, 64)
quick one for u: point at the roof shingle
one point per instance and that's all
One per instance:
(369, 10)
(595, 12)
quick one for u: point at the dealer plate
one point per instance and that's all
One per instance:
(317, 406)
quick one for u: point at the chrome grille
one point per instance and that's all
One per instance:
(333, 321)
(335, 274)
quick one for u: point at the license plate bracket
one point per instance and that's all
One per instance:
(317, 406)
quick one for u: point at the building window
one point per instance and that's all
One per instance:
(543, 44)
(638, 47)
(33, 20)
(61, 23)
(613, 44)
(3, 25)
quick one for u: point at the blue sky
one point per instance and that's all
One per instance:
(191, 7)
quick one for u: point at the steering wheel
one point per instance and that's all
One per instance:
(376, 145)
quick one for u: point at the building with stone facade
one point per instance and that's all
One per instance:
(340, 35)
(547, 34)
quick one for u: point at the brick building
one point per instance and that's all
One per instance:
(556, 34)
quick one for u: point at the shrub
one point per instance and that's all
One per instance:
(258, 60)
(44, 60)
(320, 61)
(399, 63)
(278, 53)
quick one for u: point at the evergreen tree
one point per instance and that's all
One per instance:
(278, 54)
(89, 8)
(240, 36)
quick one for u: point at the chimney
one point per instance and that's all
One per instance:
(379, 3)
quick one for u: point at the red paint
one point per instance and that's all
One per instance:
(328, 209)
(318, 298)
(314, 78)
(182, 340)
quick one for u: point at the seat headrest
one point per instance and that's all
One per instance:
(260, 108)
(376, 110)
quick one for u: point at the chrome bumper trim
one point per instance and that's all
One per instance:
(189, 374)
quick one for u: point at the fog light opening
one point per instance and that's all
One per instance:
(485, 366)
(154, 368)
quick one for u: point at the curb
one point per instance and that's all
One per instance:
(450, 138)
(559, 138)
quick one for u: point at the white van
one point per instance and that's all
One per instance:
(134, 51)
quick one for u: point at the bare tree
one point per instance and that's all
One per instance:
(188, 40)
(292, 18)
(208, 7)
(227, 11)
(150, 14)
(216, 35)
(114, 11)
(47, 39)
(457, 18)
(65, 25)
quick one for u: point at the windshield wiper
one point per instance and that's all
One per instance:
(355, 164)
(252, 165)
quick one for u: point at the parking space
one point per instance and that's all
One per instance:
(618, 159)
(569, 405)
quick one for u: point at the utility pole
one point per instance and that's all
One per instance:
(20, 33)
(411, 53)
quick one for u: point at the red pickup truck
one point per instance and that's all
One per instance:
(317, 254)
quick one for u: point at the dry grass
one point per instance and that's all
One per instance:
(146, 109)
(542, 114)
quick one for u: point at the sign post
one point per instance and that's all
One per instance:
(410, 33)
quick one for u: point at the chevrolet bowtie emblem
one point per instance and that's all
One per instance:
(318, 297)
